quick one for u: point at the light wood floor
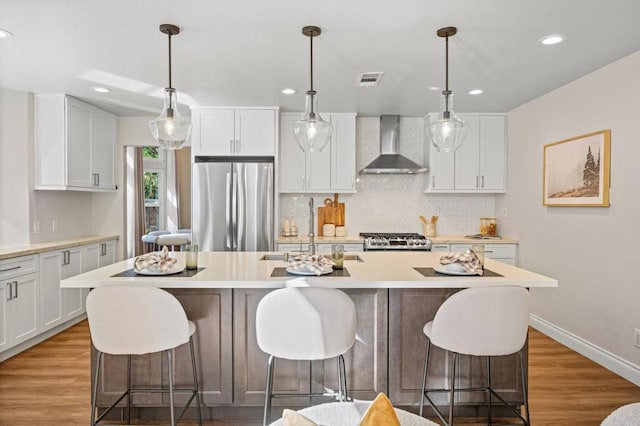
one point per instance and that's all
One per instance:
(49, 384)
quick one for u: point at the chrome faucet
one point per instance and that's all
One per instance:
(312, 242)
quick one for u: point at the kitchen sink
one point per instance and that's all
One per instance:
(282, 256)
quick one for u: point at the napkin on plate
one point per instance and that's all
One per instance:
(468, 260)
(160, 261)
(316, 264)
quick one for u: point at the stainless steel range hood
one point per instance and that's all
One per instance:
(389, 161)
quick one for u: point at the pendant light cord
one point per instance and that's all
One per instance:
(446, 73)
(170, 62)
(311, 61)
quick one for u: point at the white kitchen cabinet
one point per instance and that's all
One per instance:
(75, 145)
(352, 247)
(331, 170)
(441, 247)
(234, 131)
(322, 248)
(19, 304)
(478, 166)
(507, 253)
(58, 305)
(72, 298)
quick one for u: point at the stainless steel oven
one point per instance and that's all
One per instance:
(395, 241)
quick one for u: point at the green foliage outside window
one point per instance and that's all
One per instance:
(150, 186)
(150, 152)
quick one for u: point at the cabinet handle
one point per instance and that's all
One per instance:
(231, 146)
(16, 285)
(238, 146)
(95, 179)
(308, 182)
(103, 249)
(303, 182)
(10, 292)
(483, 181)
(433, 181)
(11, 269)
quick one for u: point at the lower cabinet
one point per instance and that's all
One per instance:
(19, 309)
(58, 305)
(320, 247)
(507, 253)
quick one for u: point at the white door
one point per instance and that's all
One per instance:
(467, 157)
(24, 308)
(292, 162)
(216, 133)
(78, 136)
(343, 153)
(103, 149)
(50, 295)
(493, 152)
(255, 132)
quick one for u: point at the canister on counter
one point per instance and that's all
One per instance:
(488, 226)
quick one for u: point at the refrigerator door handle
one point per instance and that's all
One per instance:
(227, 212)
(234, 209)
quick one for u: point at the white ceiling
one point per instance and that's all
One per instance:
(243, 52)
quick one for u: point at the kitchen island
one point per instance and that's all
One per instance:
(393, 302)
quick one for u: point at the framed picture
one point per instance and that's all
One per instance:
(576, 171)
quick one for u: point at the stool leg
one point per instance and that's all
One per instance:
(343, 373)
(195, 380)
(453, 388)
(525, 390)
(94, 397)
(424, 376)
(339, 379)
(489, 388)
(170, 371)
(128, 389)
(267, 396)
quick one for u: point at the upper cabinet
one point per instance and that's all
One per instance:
(75, 145)
(331, 170)
(234, 132)
(479, 165)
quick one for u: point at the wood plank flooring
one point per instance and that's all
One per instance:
(49, 384)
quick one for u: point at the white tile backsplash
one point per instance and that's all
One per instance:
(392, 203)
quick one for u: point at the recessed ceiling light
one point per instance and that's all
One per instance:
(100, 89)
(552, 39)
(475, 91)
(5, 33)
(288, 91)
(433, 88)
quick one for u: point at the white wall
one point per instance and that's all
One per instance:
(594, 252)
(392, 203)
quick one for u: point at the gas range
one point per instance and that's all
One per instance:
(395, 241)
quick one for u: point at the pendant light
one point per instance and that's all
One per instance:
(311, 132)
(170, 129)
(447, 131)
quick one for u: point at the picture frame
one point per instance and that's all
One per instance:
(576, 171)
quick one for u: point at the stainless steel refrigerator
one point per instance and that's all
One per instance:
(233, 203)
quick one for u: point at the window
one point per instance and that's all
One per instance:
(154, 188)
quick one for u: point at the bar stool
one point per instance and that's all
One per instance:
(135, 320)
(483, 321)
(308, 324)
(174, 240)
(150, 240)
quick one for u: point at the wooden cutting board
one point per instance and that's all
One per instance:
(320, 220)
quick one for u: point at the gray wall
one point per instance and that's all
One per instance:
(592, 251)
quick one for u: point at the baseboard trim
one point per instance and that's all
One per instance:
(23, 346)
(608, 360)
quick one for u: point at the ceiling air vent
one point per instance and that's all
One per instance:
(369, 79)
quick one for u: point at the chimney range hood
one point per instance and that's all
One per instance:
(389, 161)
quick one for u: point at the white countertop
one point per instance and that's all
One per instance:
(379, 270)
(355, 239)
(9, 251)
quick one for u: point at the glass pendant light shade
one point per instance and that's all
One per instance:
(170, 129)
(446, 131)
(312, 133)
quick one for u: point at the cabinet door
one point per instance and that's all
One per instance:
(107, 253)
(50, 295)
(493, 152)
(440, 247)
(72, 298)
(216, 133)
(255, 132)
(5, 294)
(366, 361)
(78, 134)
(343, 153)
(467, 164)
(103, 150)
(24, 308)
(292, 159)
(319, 170)
(441, 169)
(250, 363)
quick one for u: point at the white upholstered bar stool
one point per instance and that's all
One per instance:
(135, 320)
(482, 321)
(150, 240)
(306, 324)
(174, 240)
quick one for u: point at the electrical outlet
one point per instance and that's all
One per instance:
(505, 213)
(36, 227)
(637, 337)
(438, 211)
(54, 225)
